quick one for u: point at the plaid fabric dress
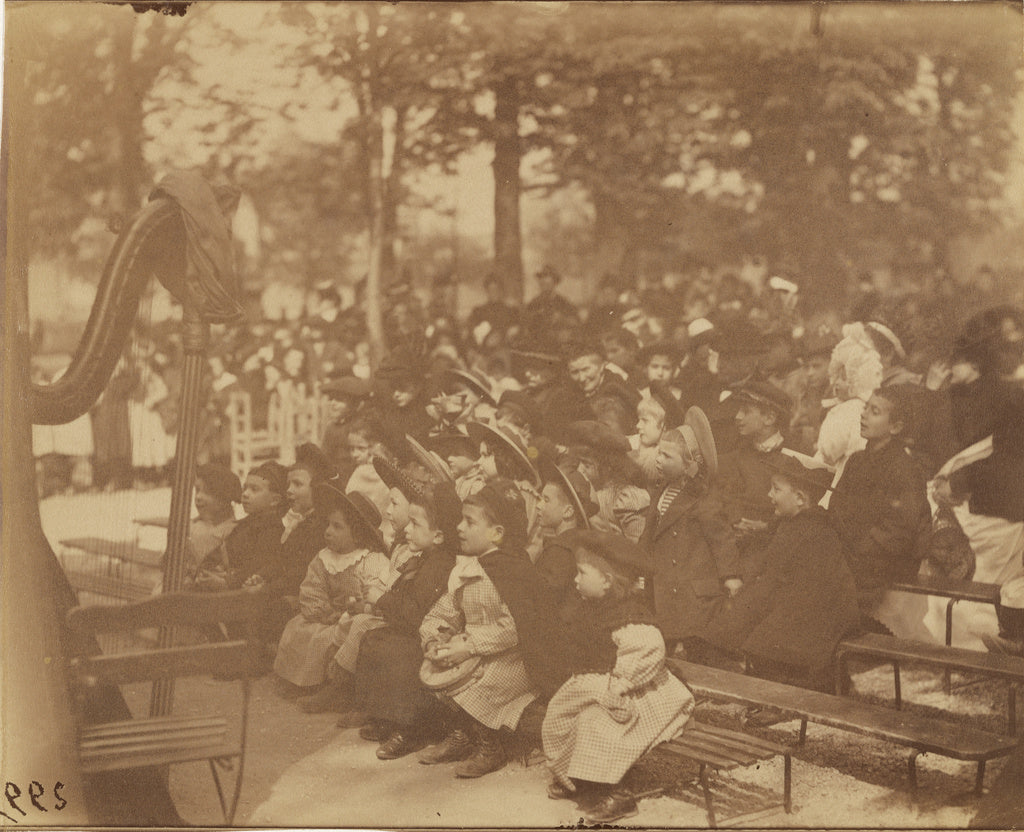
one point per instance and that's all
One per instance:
(500, 688)
(589, 734)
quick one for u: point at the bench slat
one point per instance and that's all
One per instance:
(702, 755)
(698, 744)
(109, 586)
(982, 593)
(169, 723)
(124, 550)
(229, 657)
(767, 746)
(113, 762)
(956, 658)
(128, 744)
(923, 733)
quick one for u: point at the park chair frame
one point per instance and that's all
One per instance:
(166, 739)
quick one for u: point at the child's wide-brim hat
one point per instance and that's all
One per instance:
(435, 465)
(452, 377)
(395, 477)
(764, 394)
(572, 484)
(801, 470)
(697, 430)
(360, 513)
(500, 442)
(628, 559)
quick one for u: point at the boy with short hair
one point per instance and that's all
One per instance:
(254, 546)
(386, 660)
(798, 598)
(217, 489)
(496, 613)
(745, 472)
(565, 506)
(880, 506)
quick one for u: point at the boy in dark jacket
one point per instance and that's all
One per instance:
(387, 685)
(798, 597)
(880, 506)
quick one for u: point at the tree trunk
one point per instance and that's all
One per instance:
(611, 233)
(373, 148)
(128, 94)
(508, 255)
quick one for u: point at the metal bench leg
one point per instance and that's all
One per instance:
(803, 730)
(979, 783)
(840, 673)
(947, 674)
(787, 784)
(896, 684)
(708, 806)
(912, 776)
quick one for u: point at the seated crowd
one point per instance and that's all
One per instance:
(496, 567)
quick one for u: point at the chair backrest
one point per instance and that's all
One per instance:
(239, 657)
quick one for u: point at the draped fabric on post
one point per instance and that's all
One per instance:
(214, 289)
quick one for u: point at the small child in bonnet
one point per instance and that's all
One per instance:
(621, 701)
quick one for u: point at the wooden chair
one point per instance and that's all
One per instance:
(164, 739)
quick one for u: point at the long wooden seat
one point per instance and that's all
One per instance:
(717, 748)
(115, 549)
(110, 586)
(919, 733)
(163, 739)
(900, 650)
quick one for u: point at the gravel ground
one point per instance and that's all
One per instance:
(303, 771)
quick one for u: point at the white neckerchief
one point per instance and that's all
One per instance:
(335, 562)
(291, 519)
(770, 444)
(467, 568)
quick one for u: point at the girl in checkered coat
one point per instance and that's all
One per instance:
(620, 701)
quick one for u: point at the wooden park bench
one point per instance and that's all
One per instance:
(166, 739)
(899, 650)
(919, 733)
(121, 569)
(723, 750)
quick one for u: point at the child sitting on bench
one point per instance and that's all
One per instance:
(798, 598)
(497, 621)
(345, 578)
(880, 505)
(620, 701)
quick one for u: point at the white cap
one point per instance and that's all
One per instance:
(780, 284)
(699, 327)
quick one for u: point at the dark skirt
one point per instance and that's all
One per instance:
(387, 679)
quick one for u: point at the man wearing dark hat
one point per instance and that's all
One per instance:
(548, 312)
(498, 316)
(744, 476)
(565, 507)
(798, 598)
